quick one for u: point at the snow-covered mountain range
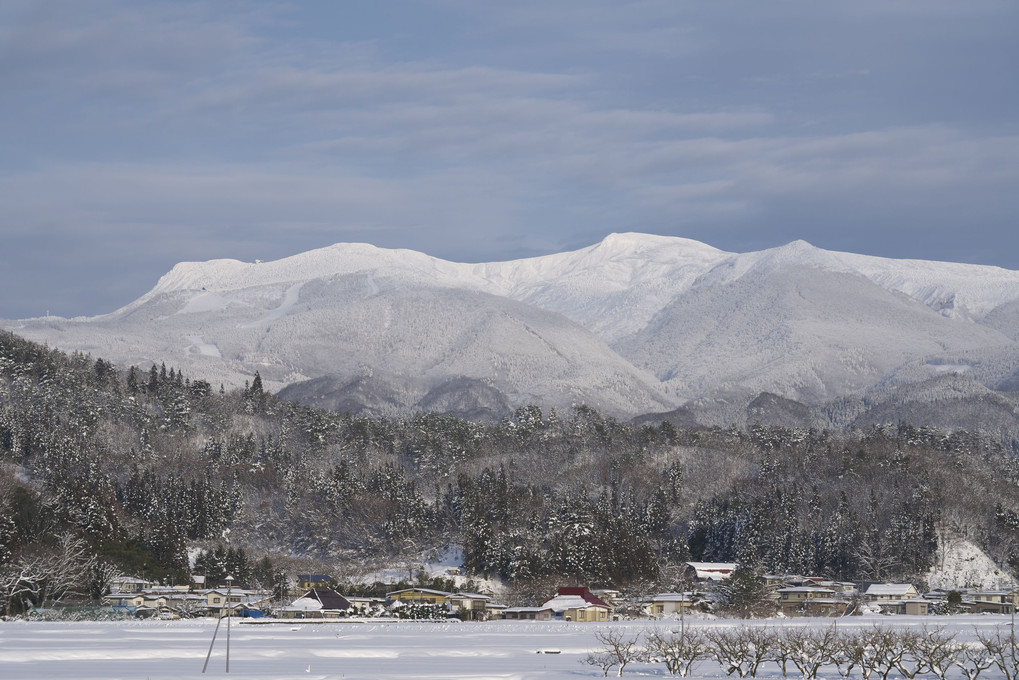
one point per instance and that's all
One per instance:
(633, 324)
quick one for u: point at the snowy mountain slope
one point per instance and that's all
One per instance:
(614, 287)
(954, 290)
(633, 324)
(805, 333)
(349, 326)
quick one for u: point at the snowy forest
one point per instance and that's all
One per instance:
(106, 470)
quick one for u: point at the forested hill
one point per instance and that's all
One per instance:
(141, 464)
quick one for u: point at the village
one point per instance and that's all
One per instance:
(313, 596)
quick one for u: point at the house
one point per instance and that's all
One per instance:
(842, 587)
(129, 584)
(317, 603)
(494, 610)
(426, 595)
(154, 601)
(669, 603)
(307, 582)
(216, 599)
(1003, 596)
(709, 571)
(989, 602)
(219, 601)
(579, 604)
(608, 595)
(125, 602)
(183, 603)
(910, 607)
(367, 606)
(794, 600)
(897, 598)
(474, 605)
(888, 592)
(528, 613)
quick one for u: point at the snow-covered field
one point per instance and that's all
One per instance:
(176, 650)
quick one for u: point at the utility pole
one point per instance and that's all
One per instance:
(684, 583)
(219, 620)
(229, 611)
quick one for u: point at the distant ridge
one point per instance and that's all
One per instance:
(633, 324)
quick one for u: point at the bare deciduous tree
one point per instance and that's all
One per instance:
(809, 649)
(19, 587)
(937, 649)
(52, 574)
(602, 660)
(909, 661)
(740, 650)
(618, 649)
(864, 650)
(679, 652)
(973, 659)
(1002, 649)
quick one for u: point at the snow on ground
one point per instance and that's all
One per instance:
(204, 302)
(176, 650)
(206, 349)
(290, 298)
(444, 562)
(959, 563)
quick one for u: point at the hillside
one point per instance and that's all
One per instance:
(136, 466)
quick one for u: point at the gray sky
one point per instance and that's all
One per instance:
(134, 135)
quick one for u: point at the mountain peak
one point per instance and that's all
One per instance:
(630, 242)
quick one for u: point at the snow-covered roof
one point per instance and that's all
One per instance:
(443, 593)
(470, 596)
(306, 604)
(804, 589)
(890, 589)
(713, 571)
(671, 597)
(222, 590)
(582, 592)
(561, 603)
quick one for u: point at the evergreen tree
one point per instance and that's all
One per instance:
(743, 593)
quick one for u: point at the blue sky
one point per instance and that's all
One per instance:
(139, 134)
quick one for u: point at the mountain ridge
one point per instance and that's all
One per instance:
(635, 323)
